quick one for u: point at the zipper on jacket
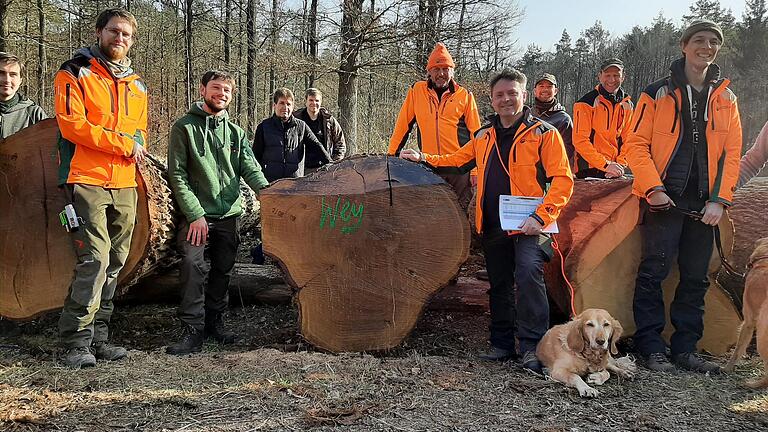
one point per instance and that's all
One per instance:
(127, 90)
(69, 108)
(642, 112)
(608, 120)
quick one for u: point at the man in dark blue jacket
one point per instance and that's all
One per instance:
(281, 141)
(546, 107)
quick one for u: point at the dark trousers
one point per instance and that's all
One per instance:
(516, 261)
(665, 235)
(201, 300)
(462, 186)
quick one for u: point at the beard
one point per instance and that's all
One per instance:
(212, 106)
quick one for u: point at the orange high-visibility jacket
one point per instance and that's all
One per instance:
(599, 130)
(537, 160)
(100, 118)
(657, 133)
(444, 125)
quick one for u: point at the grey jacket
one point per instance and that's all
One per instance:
(25, 113)
(559, 118)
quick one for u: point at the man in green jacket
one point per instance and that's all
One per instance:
(207, 156)
(16, 111)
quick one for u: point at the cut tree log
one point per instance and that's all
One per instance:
(36, 254)
(750, 221)
(601, 243)
(366, 243)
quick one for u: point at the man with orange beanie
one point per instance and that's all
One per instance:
(446, 116)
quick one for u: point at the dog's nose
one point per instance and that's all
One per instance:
(600, 341)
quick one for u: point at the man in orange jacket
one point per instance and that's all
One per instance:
(521, 155)
(601, 124)
(101, 109)
(446, 116)
(684, 152)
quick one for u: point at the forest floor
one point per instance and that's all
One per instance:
(272, 380)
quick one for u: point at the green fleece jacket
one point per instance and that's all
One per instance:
(207, 156)
(17, 114)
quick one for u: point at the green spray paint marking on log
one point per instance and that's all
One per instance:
(347, 212)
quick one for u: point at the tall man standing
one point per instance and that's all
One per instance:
(446, 116)
(601, 125)
(325, 127)
(516, 154)
(546, 107)
(207, 156)
(101, 109)
(685, 158)
(16, 111)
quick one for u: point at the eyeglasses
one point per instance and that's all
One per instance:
(118, 33)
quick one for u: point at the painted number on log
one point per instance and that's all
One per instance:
(351, 215)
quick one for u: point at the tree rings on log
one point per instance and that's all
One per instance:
(366, 242)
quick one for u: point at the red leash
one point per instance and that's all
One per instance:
(556, 247)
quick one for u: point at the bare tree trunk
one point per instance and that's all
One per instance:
(350, 48)
(227, 39)
(312, 41)
(273, 46)
(250, 81)
(188, 50)
(3, 12)
(41, 96)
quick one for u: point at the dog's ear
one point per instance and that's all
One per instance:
(576, 335)
(616, 334)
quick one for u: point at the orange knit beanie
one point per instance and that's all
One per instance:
(440, 57)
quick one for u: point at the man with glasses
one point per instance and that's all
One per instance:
(101, 109)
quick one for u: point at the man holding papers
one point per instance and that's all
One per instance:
(517, 155)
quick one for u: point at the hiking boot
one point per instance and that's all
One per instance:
(214, 329)
(191, 342)
(659, 362)
(79, 357)
(105, 351)
(498, 354)
(694, 362)
(531, 362)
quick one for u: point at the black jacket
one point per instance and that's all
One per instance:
(281, 147)
(333, 139)
(556, 115)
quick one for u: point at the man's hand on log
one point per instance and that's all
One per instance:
(712, 211)
(614, 170)
(198, 232)
(531, 226)
(411, 155)
(660, 201)
(139, 152)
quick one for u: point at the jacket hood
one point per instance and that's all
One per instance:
(323, 112)
(213, 125)
(119, 70)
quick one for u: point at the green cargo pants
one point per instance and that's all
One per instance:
(102, 244)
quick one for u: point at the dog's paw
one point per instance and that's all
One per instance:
(588, 391)
(626, 374)
(598, 378)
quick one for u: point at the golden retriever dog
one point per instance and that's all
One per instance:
(755, 312)
(584, 346)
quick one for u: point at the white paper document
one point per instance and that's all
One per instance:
(514, 210)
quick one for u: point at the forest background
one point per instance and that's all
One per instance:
(364, 54)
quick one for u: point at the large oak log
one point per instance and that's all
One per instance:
(36, 254)
(366, 242)
(601, 244)
(750, 221)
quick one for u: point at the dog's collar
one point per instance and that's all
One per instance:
(752, 262)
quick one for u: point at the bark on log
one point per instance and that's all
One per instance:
(366, 242)
(750, 221)
(36, 254)
(250, 284)
(601, 244)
